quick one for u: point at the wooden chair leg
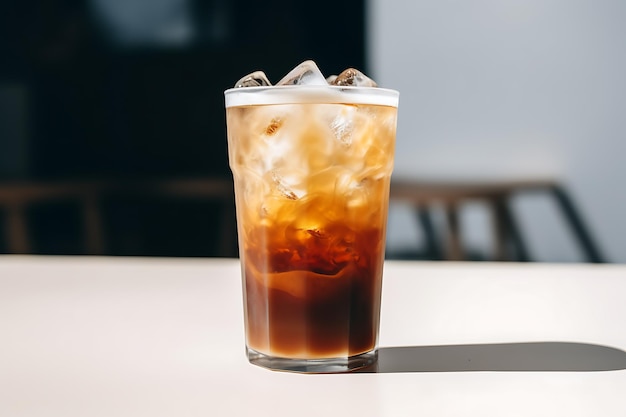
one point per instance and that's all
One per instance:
(499, 231)
(507, 235)
(433, 251)
(577, 225)
(454, 249)
(92, 223)
(17, 229)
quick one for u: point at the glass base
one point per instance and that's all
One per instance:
(313, 366)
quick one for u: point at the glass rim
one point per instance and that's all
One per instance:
(313, 94)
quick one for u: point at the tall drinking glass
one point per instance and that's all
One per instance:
(311, 166)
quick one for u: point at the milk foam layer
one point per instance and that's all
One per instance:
(248, 96)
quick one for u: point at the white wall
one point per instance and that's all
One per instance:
(512, 89)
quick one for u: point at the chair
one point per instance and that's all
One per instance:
(17, 197)
(508, 240)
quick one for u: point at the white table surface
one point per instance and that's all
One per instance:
(84, 336)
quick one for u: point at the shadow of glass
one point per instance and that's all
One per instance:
(506, 357)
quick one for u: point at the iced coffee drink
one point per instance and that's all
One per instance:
(311, 163)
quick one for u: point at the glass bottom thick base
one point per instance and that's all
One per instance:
(313, 366)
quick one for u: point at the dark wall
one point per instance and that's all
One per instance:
(121, 92)
(104, 104)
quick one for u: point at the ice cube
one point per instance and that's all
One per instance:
(343, 128)
(342, 123)
(357, 195)
(342, 250)
(354, 78)
(273, 126)
(317, 233)
(281, 186)
(255, 79)
(306, 73)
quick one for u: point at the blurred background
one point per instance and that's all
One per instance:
(515, 91)
(510, 134)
